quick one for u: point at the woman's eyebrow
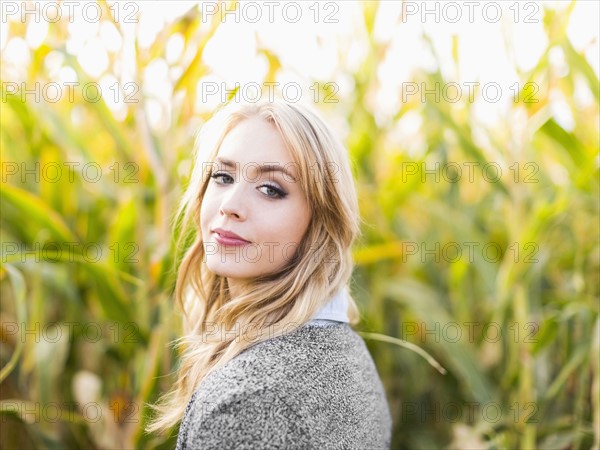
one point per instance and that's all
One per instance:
(261, 168)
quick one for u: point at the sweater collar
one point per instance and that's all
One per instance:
(336, 309)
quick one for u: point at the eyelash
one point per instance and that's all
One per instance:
(280, 194)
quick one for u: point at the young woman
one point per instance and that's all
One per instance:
(270, 359)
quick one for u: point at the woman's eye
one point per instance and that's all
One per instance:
(222, 178)
(272, 191)
(267, 189)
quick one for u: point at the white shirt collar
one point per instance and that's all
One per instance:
(336, 309)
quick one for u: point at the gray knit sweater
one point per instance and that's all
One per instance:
(315, 388)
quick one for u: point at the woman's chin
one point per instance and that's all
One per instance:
(232, 269)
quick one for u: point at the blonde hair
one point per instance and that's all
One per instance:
(281, 302)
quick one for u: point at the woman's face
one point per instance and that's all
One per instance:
(254, 194)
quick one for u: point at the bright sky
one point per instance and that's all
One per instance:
(313, 47)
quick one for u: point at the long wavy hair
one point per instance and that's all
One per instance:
(278, 302)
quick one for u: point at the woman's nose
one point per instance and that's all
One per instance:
(233, 203)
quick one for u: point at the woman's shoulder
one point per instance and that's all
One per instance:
(276, 360)
(311, 364)
(301, 361)
(288, 387)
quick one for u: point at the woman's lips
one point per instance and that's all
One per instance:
(229, 241)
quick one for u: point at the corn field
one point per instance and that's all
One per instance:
(479, 242)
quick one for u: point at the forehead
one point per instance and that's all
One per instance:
(255, 140)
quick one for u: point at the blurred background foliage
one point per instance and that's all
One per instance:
(95, 324)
